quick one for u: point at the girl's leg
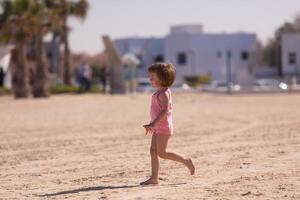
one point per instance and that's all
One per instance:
(154, 163)
(162, 143)
(154, 158)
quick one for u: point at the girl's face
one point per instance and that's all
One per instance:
(154, 80)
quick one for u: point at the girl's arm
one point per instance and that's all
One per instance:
(164, 100)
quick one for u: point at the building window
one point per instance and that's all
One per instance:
(181, 58)
(244, 55)
(292, 58)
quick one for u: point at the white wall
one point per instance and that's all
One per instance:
(290, 43)
(5, 62)
(202, 49)
(5, 56)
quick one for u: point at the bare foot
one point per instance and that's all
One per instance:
(150, 181)
(190, 165)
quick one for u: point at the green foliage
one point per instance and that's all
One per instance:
(5, 38)
(6, 9)
(78, 9)
(60, 89)
(71, 89)
(196, 80)
(20, 36)
(15, 24)
(95, 89)
(97, 72)
(5, 91)
(21, 6)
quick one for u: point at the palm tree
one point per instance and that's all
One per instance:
(40, 19)
(16, 29)
(64, 9)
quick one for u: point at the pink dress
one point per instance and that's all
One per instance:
(165, 125)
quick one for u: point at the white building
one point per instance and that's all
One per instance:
(196, 53)
(5, 55)
(290, 54)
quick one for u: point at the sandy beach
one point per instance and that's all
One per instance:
(93, 146)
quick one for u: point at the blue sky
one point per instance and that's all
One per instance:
(153, 18)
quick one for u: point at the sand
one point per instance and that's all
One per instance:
(94, 147)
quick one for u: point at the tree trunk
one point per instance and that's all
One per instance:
(67, 70)
(40, 85)
(20, 76)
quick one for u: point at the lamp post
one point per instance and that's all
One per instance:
(192, 54)
(294, 75)
(296, 69)
(228, 70)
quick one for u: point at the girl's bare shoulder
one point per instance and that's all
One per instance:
(164, 95)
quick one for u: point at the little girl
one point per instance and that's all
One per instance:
(162, 76)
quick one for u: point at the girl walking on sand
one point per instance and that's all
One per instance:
(162, 76)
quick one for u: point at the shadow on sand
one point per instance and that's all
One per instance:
(87, 189)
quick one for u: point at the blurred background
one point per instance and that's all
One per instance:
(89, 141)
(75, 46)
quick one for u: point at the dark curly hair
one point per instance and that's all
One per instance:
(165, 72)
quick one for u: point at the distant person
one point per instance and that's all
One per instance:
(162, 76)
(127, 78)
(88, 75)
(103, 78)
(2, 75)
(85, 76)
